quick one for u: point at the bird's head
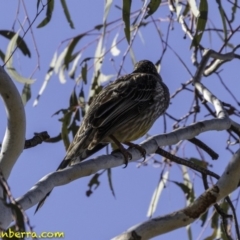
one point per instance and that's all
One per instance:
(145, 66)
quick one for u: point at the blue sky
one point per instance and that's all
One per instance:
(102, 216)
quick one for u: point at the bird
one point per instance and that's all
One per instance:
(122, 112)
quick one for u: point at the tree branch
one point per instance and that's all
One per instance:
(14, 139)
(227, 183)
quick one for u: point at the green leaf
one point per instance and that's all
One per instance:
(9, 63)
(74, 127)
(106, 11)
(114, 48)
(2, 55)
(26, 93)
(82, 102)
(61, 75)
(203, 217)
(38, 3)
(84, 73)
(215, 221)
(186, 10)
(109, 174)
(72, 71)
(201, 23)
(64, 132)
(49, 12)
(20, 42)
(126, 10)
(199, 162)
(152, 7)
(95, 89)
(193, 7)
(187, 182)
(46, 79)
(70, 48)
(222, 14)
(187, 191)
(67, 14)
(156, 194)
(73, 99)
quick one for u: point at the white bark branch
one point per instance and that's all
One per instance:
(227, 183)
(14, 138)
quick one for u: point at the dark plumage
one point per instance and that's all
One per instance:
(122, 112)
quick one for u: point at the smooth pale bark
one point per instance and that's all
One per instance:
(14, 138)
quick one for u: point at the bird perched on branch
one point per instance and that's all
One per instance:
(122, 112)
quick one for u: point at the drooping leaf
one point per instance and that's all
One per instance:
(61, 75)
(126, 11)
(20, 41)
(60, 61)
(109, 174)
(156, 194)
(26, 93)
(93, 182)
(64, 131)
(47, 78)
(222, 14)
(96, 88)
(187, 191)
(49, 11)
(178, 7)
(38, 3)
(82, 102)
(187, 182)
(189, 232)
(2, 55)
(9, 63)
(199, 162)
(84, 73)
(70, 49)
(74, 127)
(72, 71)
(201, 23)
(108, 4)
(67, 14)
(186, 10)
(152, 7)
(114, 50)
(73, 99)
(204, 218)
(193, 7)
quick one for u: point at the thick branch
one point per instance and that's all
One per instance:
(14, 139)
(227, 183)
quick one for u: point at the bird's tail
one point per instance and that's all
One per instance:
(65, 162)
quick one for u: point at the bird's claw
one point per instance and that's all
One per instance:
(127, 155)
(139, 148)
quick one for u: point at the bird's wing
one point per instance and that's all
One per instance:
(122, 101)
